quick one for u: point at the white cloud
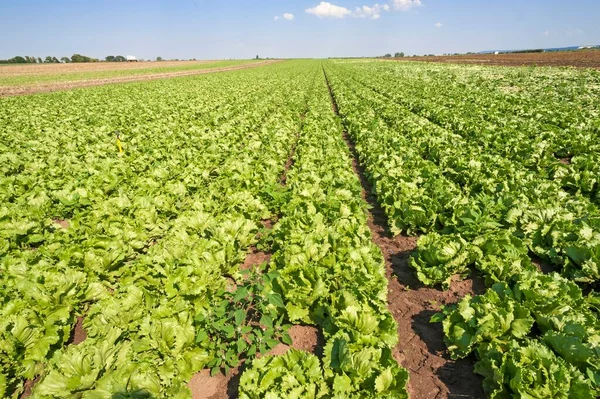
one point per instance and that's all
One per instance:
(406, 4)
(328, 10)
(287, 16)
(370, 12)
(438, 25)
(547, 33)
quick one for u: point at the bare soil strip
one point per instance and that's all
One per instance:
(52, 87)
(578, 59)
(7, 70)
(421, 348)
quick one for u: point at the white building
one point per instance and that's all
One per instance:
(131, 58)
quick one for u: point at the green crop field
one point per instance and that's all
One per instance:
(130, 214)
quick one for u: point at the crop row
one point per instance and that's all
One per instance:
(331, 275)
(432, 180)
(499, 115)
(139, 242)
(480, 209)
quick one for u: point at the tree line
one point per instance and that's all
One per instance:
(53, 60)
(397, 55)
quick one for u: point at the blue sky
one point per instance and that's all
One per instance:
(243, 29)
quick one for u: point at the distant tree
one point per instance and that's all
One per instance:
(66, 60)
(39, 60)
(18, 60)
(399, 55)
(110, 58)
(120, 58)
(257, 57)
(387, 56)
(159, 58)
(48, 60)
(82, 58)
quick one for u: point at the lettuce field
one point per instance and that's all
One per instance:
(437, 225)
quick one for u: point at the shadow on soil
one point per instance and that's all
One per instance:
(456, 375)
(403, 272)
(233, 385)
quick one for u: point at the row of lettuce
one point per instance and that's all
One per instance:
(145, 247)
(535, 335)
(547, 120)
(331, 275)
(137, 244)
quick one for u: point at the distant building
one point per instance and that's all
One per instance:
(131, 58)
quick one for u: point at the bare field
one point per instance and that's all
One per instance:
(34, 75)
(579, 59)
(48, 69)
(46, 86)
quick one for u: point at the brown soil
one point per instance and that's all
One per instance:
(579, 58)
(203, 386)
(267, 223)
(28, 387)
(421, 348)
(565, 161)
(51, 87)
(78, 334)
(255, 258)
(62, 223)
(306, 338)
(542, 265)
(53, 69)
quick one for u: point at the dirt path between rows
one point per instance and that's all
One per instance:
(6, 91)
(421, 349)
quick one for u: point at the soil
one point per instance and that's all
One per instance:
(52, 87)
(203, 386)
(78, 67)
(306, 338)
(421, 348)
(565, 161)
(255, 258)
(28, 387)
(62, 223)
(78, 334)
(579, 59)
(542, 265)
